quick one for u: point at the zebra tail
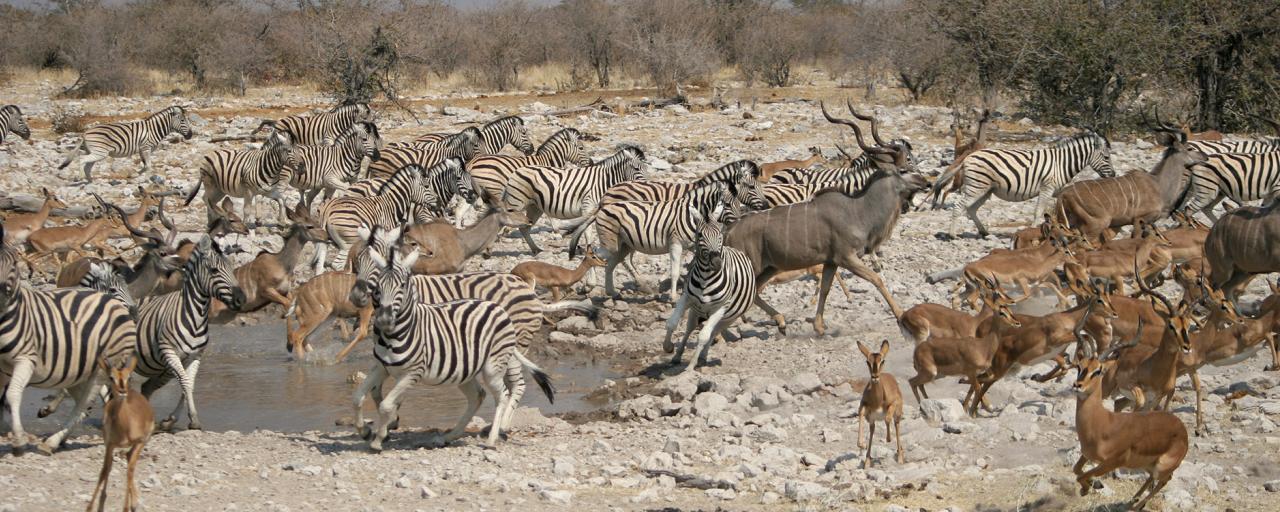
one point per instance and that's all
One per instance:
(584, 306)
(578, 230)
(192, 195)
(70, 155)
(539, 376)
(944, 180)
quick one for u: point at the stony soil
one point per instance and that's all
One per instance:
(768, 426)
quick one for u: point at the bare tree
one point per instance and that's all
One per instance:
(590, 29)
(670, 41)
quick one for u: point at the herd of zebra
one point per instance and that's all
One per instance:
(746, 228)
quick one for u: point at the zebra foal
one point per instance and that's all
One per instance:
(123, 139)
(244, 173)
(11, 120)
(468, 343)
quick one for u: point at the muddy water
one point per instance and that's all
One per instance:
(247, 381)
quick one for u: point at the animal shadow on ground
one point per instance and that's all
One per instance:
(403, 440)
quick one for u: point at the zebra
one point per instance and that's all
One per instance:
(742, 178)
(864, 164)
(444, 181)
(463, 145)
(468, 343)
(569, 193)
(1247, 146)
(1240, 176)
(53, 340)
(719, 287)
(516, 296)
(11, 120)
(491, 172)
(655, 228)
(1022, 174)
(320, 168)
(401, 200)
(496, 135)
(129, 138)
(323, 128)
(245, 173)
(173, 329)
(780, 194)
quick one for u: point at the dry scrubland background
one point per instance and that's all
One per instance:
(772, 421)
(1096, 63)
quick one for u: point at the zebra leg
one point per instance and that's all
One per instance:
(515, 383)
(87, 164)
(689, 327)
(388, 407)
(710, 328)
(971, 211)
(676, 249)
(475, 396)
(144, 155)
(53, 405)
(174, 363)
(81, 394)
(322, 255)
(374, 376)
(611, 262)
(492, 382)
(1208, 209)
(681, 304)
(188, 389)
(21, 374)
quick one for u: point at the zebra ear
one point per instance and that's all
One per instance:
(205, 244)
(364, 232)
(718, 213)
(378, 259)
(697, 216)
(407, 260)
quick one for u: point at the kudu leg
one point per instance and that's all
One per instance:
(824, 287)
(860, 269)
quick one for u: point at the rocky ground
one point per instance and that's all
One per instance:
(770, 425)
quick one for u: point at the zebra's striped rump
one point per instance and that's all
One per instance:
(464, 146)
(1240, 176)
(325, 127)
(491, 172)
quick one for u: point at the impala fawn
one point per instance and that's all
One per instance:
(127, 421)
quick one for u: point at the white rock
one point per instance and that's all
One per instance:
(942, 409)
(804, 383)
(561, 497)
(1272, 486)
(679, 388)
(563, 466)
(426, 492)
(798, 490)
(706, 404)
(659, 164)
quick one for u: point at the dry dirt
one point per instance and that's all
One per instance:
(768, 423)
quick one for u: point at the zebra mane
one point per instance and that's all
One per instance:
(347, 107)
(448, 165)
(11, 108)
(168, 111)
(370, 128)
(730, 172)
(503, 120)
(400, 176)
(624, 151)
(1087, 136)
(565, 134)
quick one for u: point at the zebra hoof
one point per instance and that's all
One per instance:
(667, 347)
(365, 433)
(45, 449)
(167, 424)
(195, 425)
(394, 425)
(375, 446)
(44, 412)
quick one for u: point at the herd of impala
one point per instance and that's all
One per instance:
(1130, 347)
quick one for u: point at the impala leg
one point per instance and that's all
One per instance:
(1086, 480)
(1159, 485)
(1195, 384)
(100, 490)
(871, 441)
(131, 489)
(862, 419)
(897, 435)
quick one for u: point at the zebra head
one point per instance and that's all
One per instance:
(358, 112)
(179, 122)
(520, 136)
(12, 115)
(10, 273)
(463, 186)
(102, 276)
(210, 268)
(634, 166)
(745, 184)
(566, 145)
(708, 246)
(393, 296)
(364, 135)
(1099, 155)
(376, 242)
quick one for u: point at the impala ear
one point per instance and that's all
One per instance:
(865, 353)
(884, 349)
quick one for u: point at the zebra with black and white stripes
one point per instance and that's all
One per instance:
(1242, 177)
(516, 296)
(173, 329)
(781, 194)
(491, 172)
(496, 134)
(103, 277)
(720, 286)
(468, 343)
(744, 175)
(320, 168)
(464, 146)
(400, 201)
(1210, 147)
(1024, 174)
(124, 139)
(444, 181)
(245, 173)
(325, 127)
(655, 228)
(11, 120)
(53, 340)
(569, 193)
